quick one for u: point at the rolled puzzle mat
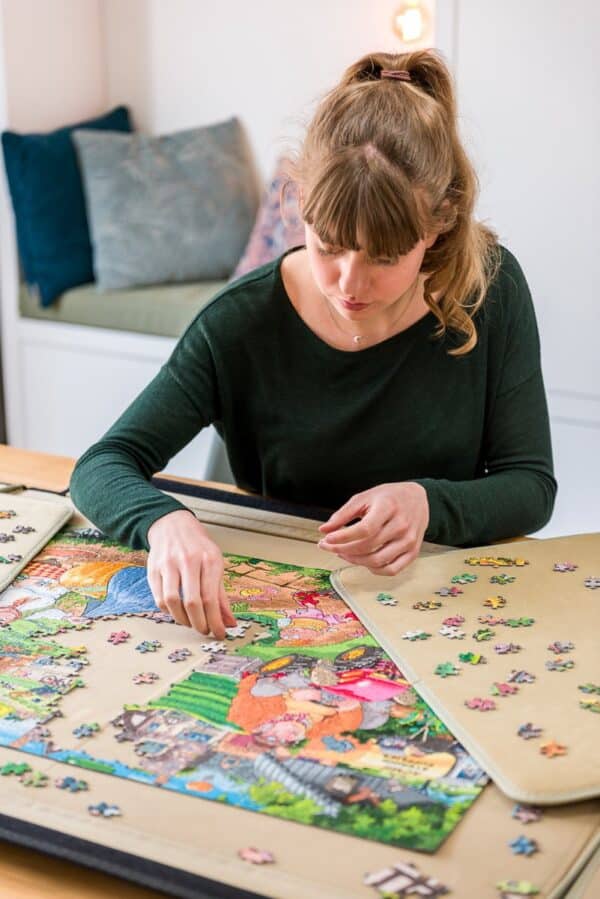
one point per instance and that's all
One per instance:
(587, 885)
(151, 799)
(503, 642)
(26, 525)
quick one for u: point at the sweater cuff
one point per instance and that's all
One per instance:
(434, 528)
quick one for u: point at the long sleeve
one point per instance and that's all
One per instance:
(516, 490)
(110, 483)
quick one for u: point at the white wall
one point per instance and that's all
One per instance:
(181, 63)
(528, 78)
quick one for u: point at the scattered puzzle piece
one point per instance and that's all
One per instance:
(426, 605)
(553, 749)
(118, 637)
(495, 561)
(483, 633)
(502, 579)
(564, 566)
(453, 633)
(71, 784)
(24, 529)
(504, 648)
(17, 768)
(524, 846)
(472, 658)
(495, 602)
(526, 814)
(592, 582)
(404, 880)
(559, 647)
(85, 730)
(529, 731)
(448, 591)
(512, 889)
(415, 635)
(490, 620)
(179, 655)
(560, 664)
(465, 578)
(386, 599)
(256, 856)
(446, 669)
(589, 688)
(520, 677)
(148, 646)
(519, 622)
(501, 689)
(454, 621)
(145, 677)
(480, 704)
(104, 810)
(214, 646)
(34, 779)
(591, 705)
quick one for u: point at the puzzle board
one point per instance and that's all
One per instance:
(187, 824)
(529, 710)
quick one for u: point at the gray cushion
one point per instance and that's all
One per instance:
(167, 209)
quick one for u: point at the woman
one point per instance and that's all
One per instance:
(389, 370)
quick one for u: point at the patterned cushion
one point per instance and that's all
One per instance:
(278, 225)
(168, 209)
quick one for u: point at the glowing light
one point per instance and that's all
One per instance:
(411, 21)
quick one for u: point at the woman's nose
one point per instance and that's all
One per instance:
(352, 280)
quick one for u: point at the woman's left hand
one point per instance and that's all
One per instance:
(387, 537)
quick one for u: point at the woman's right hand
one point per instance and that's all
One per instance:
(185, 573)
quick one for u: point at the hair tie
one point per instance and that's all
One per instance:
(397, 74)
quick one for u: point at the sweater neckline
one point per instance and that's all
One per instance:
(402, 337)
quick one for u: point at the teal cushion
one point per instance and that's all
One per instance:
(168, 209)
(47, 195)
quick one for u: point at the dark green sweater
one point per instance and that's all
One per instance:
(305, 422)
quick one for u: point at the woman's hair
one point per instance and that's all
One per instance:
(382, 158)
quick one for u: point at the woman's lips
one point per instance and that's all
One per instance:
(354, 307)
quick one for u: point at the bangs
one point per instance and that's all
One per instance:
(360, 202)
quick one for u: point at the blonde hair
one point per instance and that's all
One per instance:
(382, 158)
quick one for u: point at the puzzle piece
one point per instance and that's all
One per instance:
(104, 810)
(483, 633)
(454, 621)
(85, 730)
(453, 633)
(592, 582)
(118, 637)
(239, 631)
(465, 578)
(495, 561)
(504, 648)
(502, 579)
(24, 529)
(564, 566)
(490, 620)
(415, 635)
(495, 602)
(480, 704)
(472, 658)
(520, 677)
(524, 846)
(560, 664)
(10, 558)
(515, 888)
(34, 779)
(553, 749)
(559, 647)
(386, 599)
(71, 784)
(526, 814)
(179, 655)
(146, 677)
(427, 605)
(214, 646)
(529, 731)
(502, 689)
(404, 880)
(148, 646)
(256, 856)
(448, 591)
(519, 622)
(6, 538)
(17, 768)
(591, 705)
(589, 688)
(446, 669)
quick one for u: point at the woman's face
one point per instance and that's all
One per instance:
(358, 287)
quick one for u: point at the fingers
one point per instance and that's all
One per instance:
(375, 538)
(354, 508)
(229, 619)
(389, 559)
(211, 580)
(191, 598)
(171, 597)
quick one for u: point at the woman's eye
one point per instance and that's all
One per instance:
(385, 261)
(324, 252)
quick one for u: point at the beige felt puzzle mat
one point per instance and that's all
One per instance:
(26, 525)
(203, 837)
(529, 709)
